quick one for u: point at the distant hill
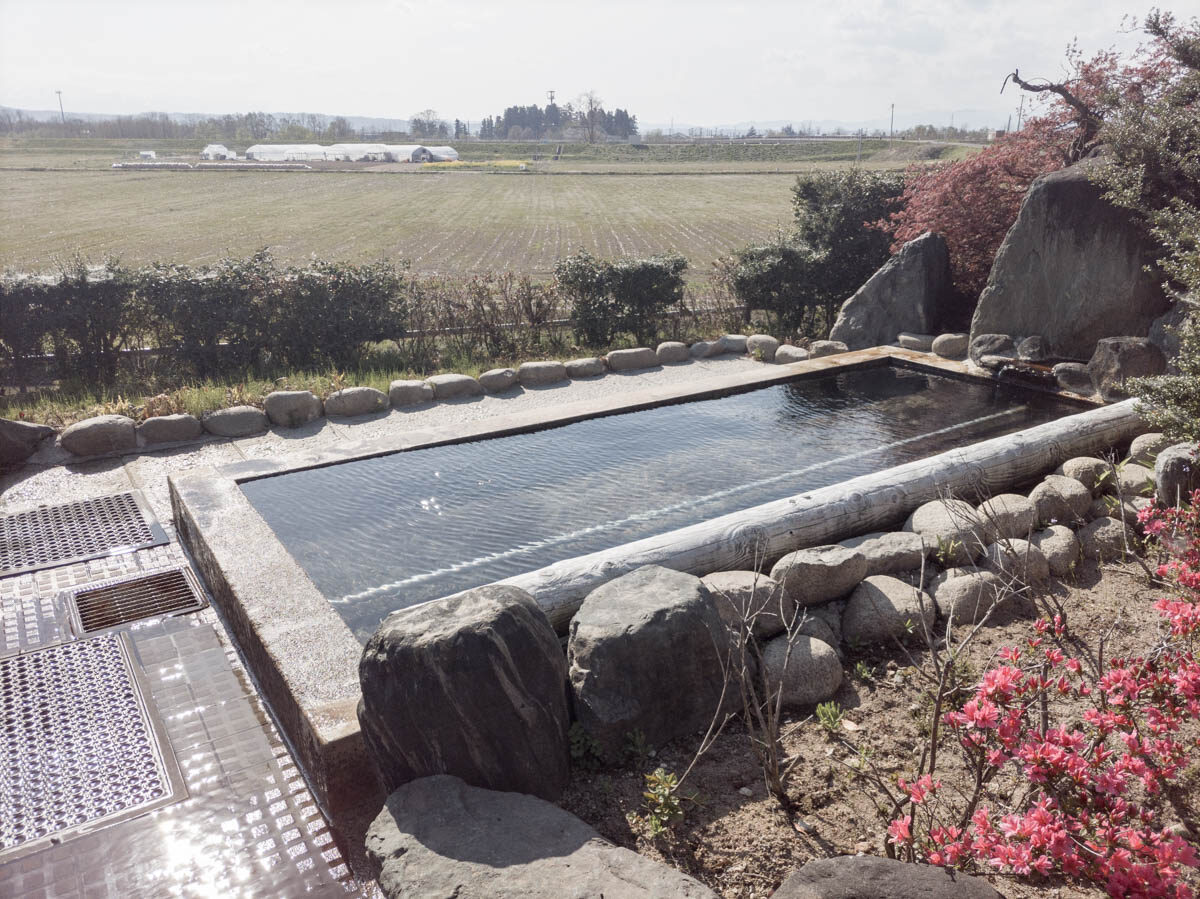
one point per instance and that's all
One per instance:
(358, 123)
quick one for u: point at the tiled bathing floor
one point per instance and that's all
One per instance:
(243, 822)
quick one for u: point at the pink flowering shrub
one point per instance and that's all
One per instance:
(1086, 750)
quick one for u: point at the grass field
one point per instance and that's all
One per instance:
(453, 223)
(59, 197)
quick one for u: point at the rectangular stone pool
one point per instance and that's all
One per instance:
(377, 534)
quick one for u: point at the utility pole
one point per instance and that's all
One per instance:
(551, 94)
(60, 108)
(892, 125)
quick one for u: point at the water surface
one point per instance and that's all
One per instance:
(379, 534)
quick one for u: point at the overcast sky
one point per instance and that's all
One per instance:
(697, 62)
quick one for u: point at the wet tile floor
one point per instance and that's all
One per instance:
(242, 822)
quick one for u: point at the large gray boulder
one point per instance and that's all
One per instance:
(587, 367)
(871, 877)
(950, 528)
(1075, 377)
(672, 352)
(630, 360)
(1017, 561)
(1060, 500)
(884, 608)
(1117, 359)
(908, 293)
(889, 552)
(498, 380)
(951, 346)
(439, 837)
(1104, 539)
(409, 393)
(1060, 546)
(747, 597)
(1070, 269)
(1087, 470)
(99, 435)
(734, 343)
(292, 408)
(788, 353)
(1008, 515)
(819, 348)
(170, 429)
(236, 421)
(762, 347)
(1000, 345)
(1176, 474)
(645, 655)
(545, 373)
(454, 386)
(473, 685)
(805, 670)
(1145, 447)
(351, 401)
(19, 440)
(966, 595)
(818, 574)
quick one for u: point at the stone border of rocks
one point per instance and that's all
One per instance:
(642, 653)
(106, 435)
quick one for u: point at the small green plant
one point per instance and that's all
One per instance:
(585, 750)
(829, 716)
(661, 800)
(948, 549)
(636, 746)
(863, 671)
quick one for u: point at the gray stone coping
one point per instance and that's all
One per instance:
(306, 659)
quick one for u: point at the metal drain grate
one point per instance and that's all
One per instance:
(79, 746)
(74, 532)
(117, 602)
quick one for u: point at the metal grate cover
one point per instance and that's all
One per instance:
(80, 748)
(117, 602)
(74, 532)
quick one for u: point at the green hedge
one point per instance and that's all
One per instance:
(210, 320)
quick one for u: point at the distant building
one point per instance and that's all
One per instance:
(217, 151)
(147, 154)
(350, 153)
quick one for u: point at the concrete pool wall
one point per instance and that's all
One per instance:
(306, 659)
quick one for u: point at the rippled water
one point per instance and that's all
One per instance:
(379, 534)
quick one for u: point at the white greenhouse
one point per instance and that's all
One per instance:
(288, 153)
(217, 151)
(409, 153)
(443, 154)
(359, 152)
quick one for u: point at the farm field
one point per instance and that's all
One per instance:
(455, 222)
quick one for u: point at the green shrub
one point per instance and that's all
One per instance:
(91, 317)
(1171, 403)
(831, 252)
(775, 278)
(23, 313)
(629, 294)
(642, 290)
(212, 320)
(582, 280)
(327, 311)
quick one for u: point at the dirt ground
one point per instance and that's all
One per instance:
(736, 838)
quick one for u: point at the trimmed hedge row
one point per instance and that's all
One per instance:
(240, 314)
(208, 319)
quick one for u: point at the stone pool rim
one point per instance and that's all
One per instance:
(303, 655)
